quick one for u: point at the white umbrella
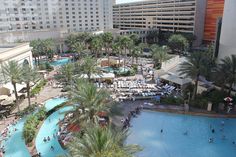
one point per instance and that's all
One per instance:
(3, 97)
(228, 99)
(7, 102)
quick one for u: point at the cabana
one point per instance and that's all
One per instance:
(9, 86)
(182, 82)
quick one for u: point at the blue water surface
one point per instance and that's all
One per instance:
(145, 131)
(15, 145)
(50, 127)
(60, 62)
(51, 103)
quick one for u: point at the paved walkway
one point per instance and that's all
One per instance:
(46, 93)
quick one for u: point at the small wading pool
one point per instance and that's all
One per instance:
(145, 131)
(112, 70)
(60, 62)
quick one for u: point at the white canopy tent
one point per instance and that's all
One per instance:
(11, 88)
(176, 79)
(101, 76)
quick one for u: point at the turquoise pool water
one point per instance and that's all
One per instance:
(15, 145)
(111, 70)
(145, 131)
(51, 103)
(49, 128)
(60, 62)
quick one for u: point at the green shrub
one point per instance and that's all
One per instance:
(130, 72)
(27, 110)
(38, 87)
(172, 100)
(199, 102)
(31, 123)
(29, 132)
(41, 114)
(45, 66)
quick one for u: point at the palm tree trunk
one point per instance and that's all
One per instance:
(16, 96)
(137, 60)
(96, 54)
(108, 57)
(35, 60)
(230, 88)
(119, 59)
(125, 59)
(195, 88)
(28, 93)
(132, 60)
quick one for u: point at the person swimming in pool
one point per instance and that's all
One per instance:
(44, 139)
(213, 131)
(210, 140)
(52, 148)
(186, 133)
(161, 130)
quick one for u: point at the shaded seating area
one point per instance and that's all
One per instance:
(179, 81)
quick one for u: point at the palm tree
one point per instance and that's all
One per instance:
(91, 100)
(78, 47)
(101, 142)
(96, 45)
(67, 72)
(13, 71)
(48, 45)
(107, 40)
(135, 52)
(159, 54)
(29, 75)
(35, 50)
(70, 41)
(89, 67)
(220, 75)
(193, 68)
(116, 48)
(135, 39)
(125, 41)
(229, 65)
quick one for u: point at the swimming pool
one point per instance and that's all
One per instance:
(60, 62)
(112, 70)
(49, 128)
(145, 131)
(51, 103)
(15, 145)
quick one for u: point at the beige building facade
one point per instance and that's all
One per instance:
(18, 52)
(186, 16)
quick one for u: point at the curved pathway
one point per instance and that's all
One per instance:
(50, 127)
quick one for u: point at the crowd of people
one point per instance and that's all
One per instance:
(6, 133)
(134, 113)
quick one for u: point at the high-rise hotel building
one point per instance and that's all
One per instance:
(72, 15)
(185, 16)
